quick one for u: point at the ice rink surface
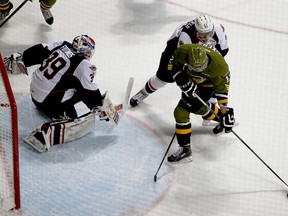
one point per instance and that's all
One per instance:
(110, 171)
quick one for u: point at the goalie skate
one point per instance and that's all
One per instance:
(37, 140)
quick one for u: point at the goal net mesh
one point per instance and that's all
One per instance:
(9, 158)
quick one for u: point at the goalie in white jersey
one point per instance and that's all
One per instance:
(64, 78)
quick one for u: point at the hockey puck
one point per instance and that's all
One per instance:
(155, 179)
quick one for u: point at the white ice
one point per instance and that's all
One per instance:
(110, 172)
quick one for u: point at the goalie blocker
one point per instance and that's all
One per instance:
(66, 130)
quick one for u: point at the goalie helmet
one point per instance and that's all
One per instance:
(84, 45)
(197, 59)
(204, 26)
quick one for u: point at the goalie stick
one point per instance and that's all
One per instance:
(128, 93)
(14, 12)
(112, 112)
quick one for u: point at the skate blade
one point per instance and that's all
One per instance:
(30, 140)
(209, 123)
(183, 161)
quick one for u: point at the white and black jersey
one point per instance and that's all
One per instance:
(63, 79)
(186, 33)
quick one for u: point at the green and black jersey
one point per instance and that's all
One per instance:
(216, 74)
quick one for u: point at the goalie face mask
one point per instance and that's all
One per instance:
(84, 45)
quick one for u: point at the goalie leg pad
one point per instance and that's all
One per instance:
(62, 131)
(70, 131)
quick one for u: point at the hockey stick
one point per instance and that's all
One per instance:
(203, 102)
(155, 176)
(14, 12)
(122, 107)
(128, 93)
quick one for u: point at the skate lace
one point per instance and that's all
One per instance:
(178, 152)
(46, 13)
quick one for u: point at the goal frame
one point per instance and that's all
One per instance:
(14, 130)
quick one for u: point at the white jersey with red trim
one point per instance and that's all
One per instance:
(185, 33)
(62, 74)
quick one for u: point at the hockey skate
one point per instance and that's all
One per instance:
(5, 10)
(138, 98)
(37, 140)
(47, 16)
(218, 130)
(207, 122)
(14, 64)
(183, 155)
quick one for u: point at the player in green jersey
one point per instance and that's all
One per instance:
(5, 8)
(201, 70)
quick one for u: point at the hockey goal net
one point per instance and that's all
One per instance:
(9, 157)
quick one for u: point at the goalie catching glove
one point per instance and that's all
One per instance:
(14, 64)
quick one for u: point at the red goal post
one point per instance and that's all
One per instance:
(9, 150)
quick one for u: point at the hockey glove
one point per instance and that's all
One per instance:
(108, 111)
(102, 114)
(14, 64)
(227, 122)
(185, 83)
